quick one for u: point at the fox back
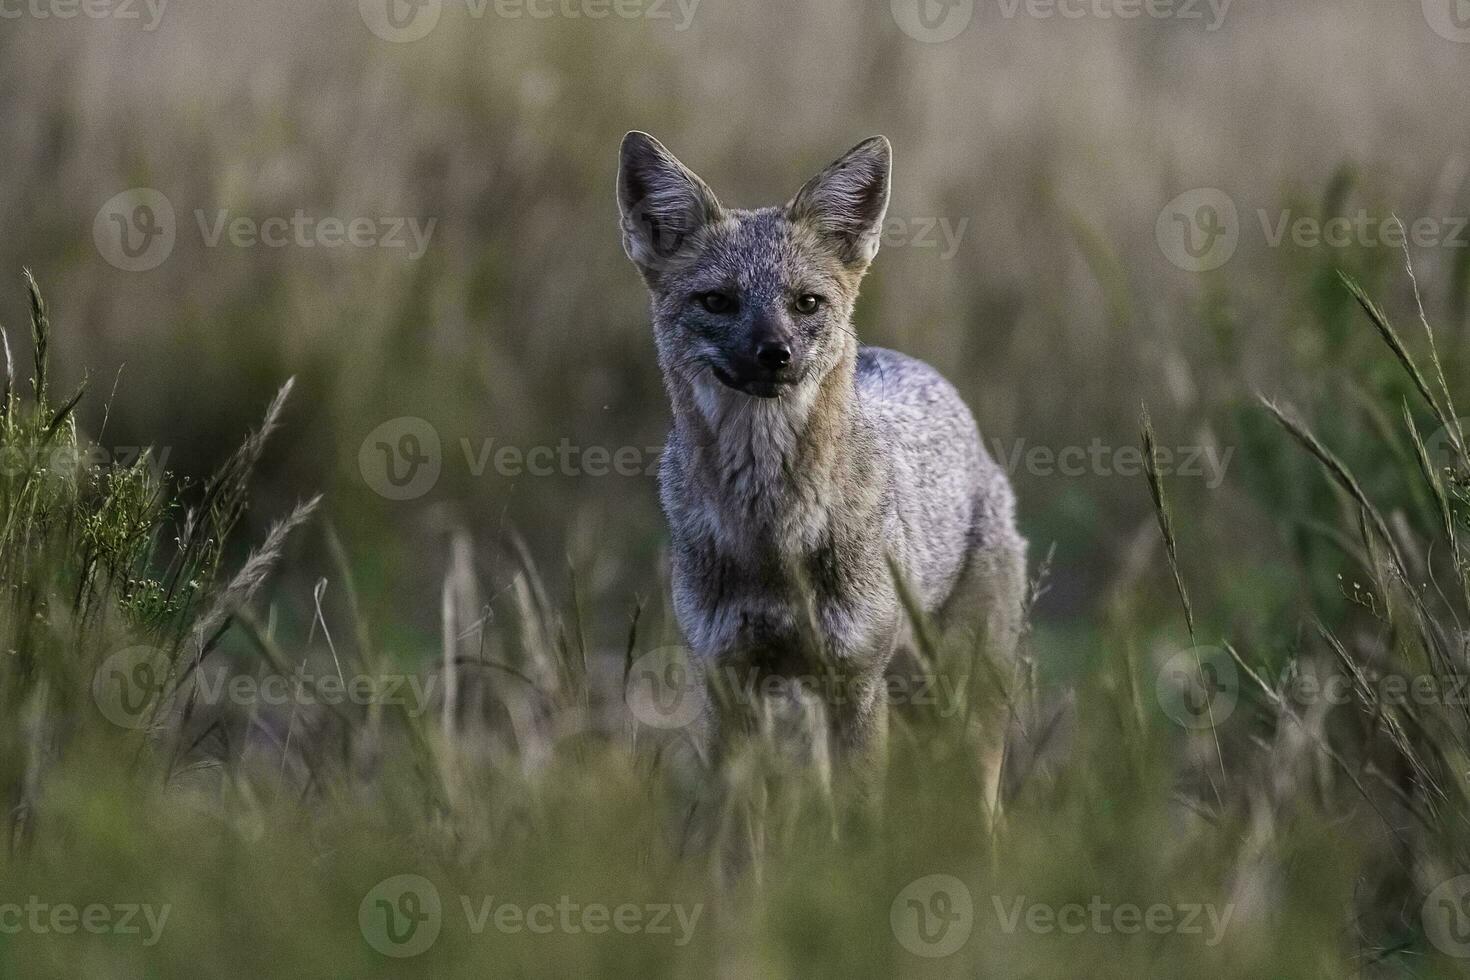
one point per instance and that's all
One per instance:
(805, 472)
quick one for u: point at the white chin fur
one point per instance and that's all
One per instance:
(722, 405)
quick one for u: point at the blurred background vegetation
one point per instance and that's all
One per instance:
(1053, 143)
(1049, 145)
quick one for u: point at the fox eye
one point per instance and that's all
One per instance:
(718, 303)
(808, 303)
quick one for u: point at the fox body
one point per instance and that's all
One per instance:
(809, 478)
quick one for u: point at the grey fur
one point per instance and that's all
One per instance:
(787, 498)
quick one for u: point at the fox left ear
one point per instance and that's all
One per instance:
(664, 204)
(847, 201)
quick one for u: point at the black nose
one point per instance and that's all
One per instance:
(773, 355)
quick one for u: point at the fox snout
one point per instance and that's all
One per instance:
(764, 363)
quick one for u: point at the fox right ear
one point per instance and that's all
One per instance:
(847, 201)
(663, 203)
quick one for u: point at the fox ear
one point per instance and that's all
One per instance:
(663, 203)
(847, 201)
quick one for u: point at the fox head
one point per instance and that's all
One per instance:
(755, 302)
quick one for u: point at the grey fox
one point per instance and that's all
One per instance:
(806, 471)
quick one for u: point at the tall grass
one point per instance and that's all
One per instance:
(1391, 753)
(1312, 833)
(1054, 144)
(99, 555)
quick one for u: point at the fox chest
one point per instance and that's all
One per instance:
(757, 604)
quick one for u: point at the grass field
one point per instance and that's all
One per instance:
(334, 610)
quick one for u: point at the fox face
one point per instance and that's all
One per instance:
(754, 302)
